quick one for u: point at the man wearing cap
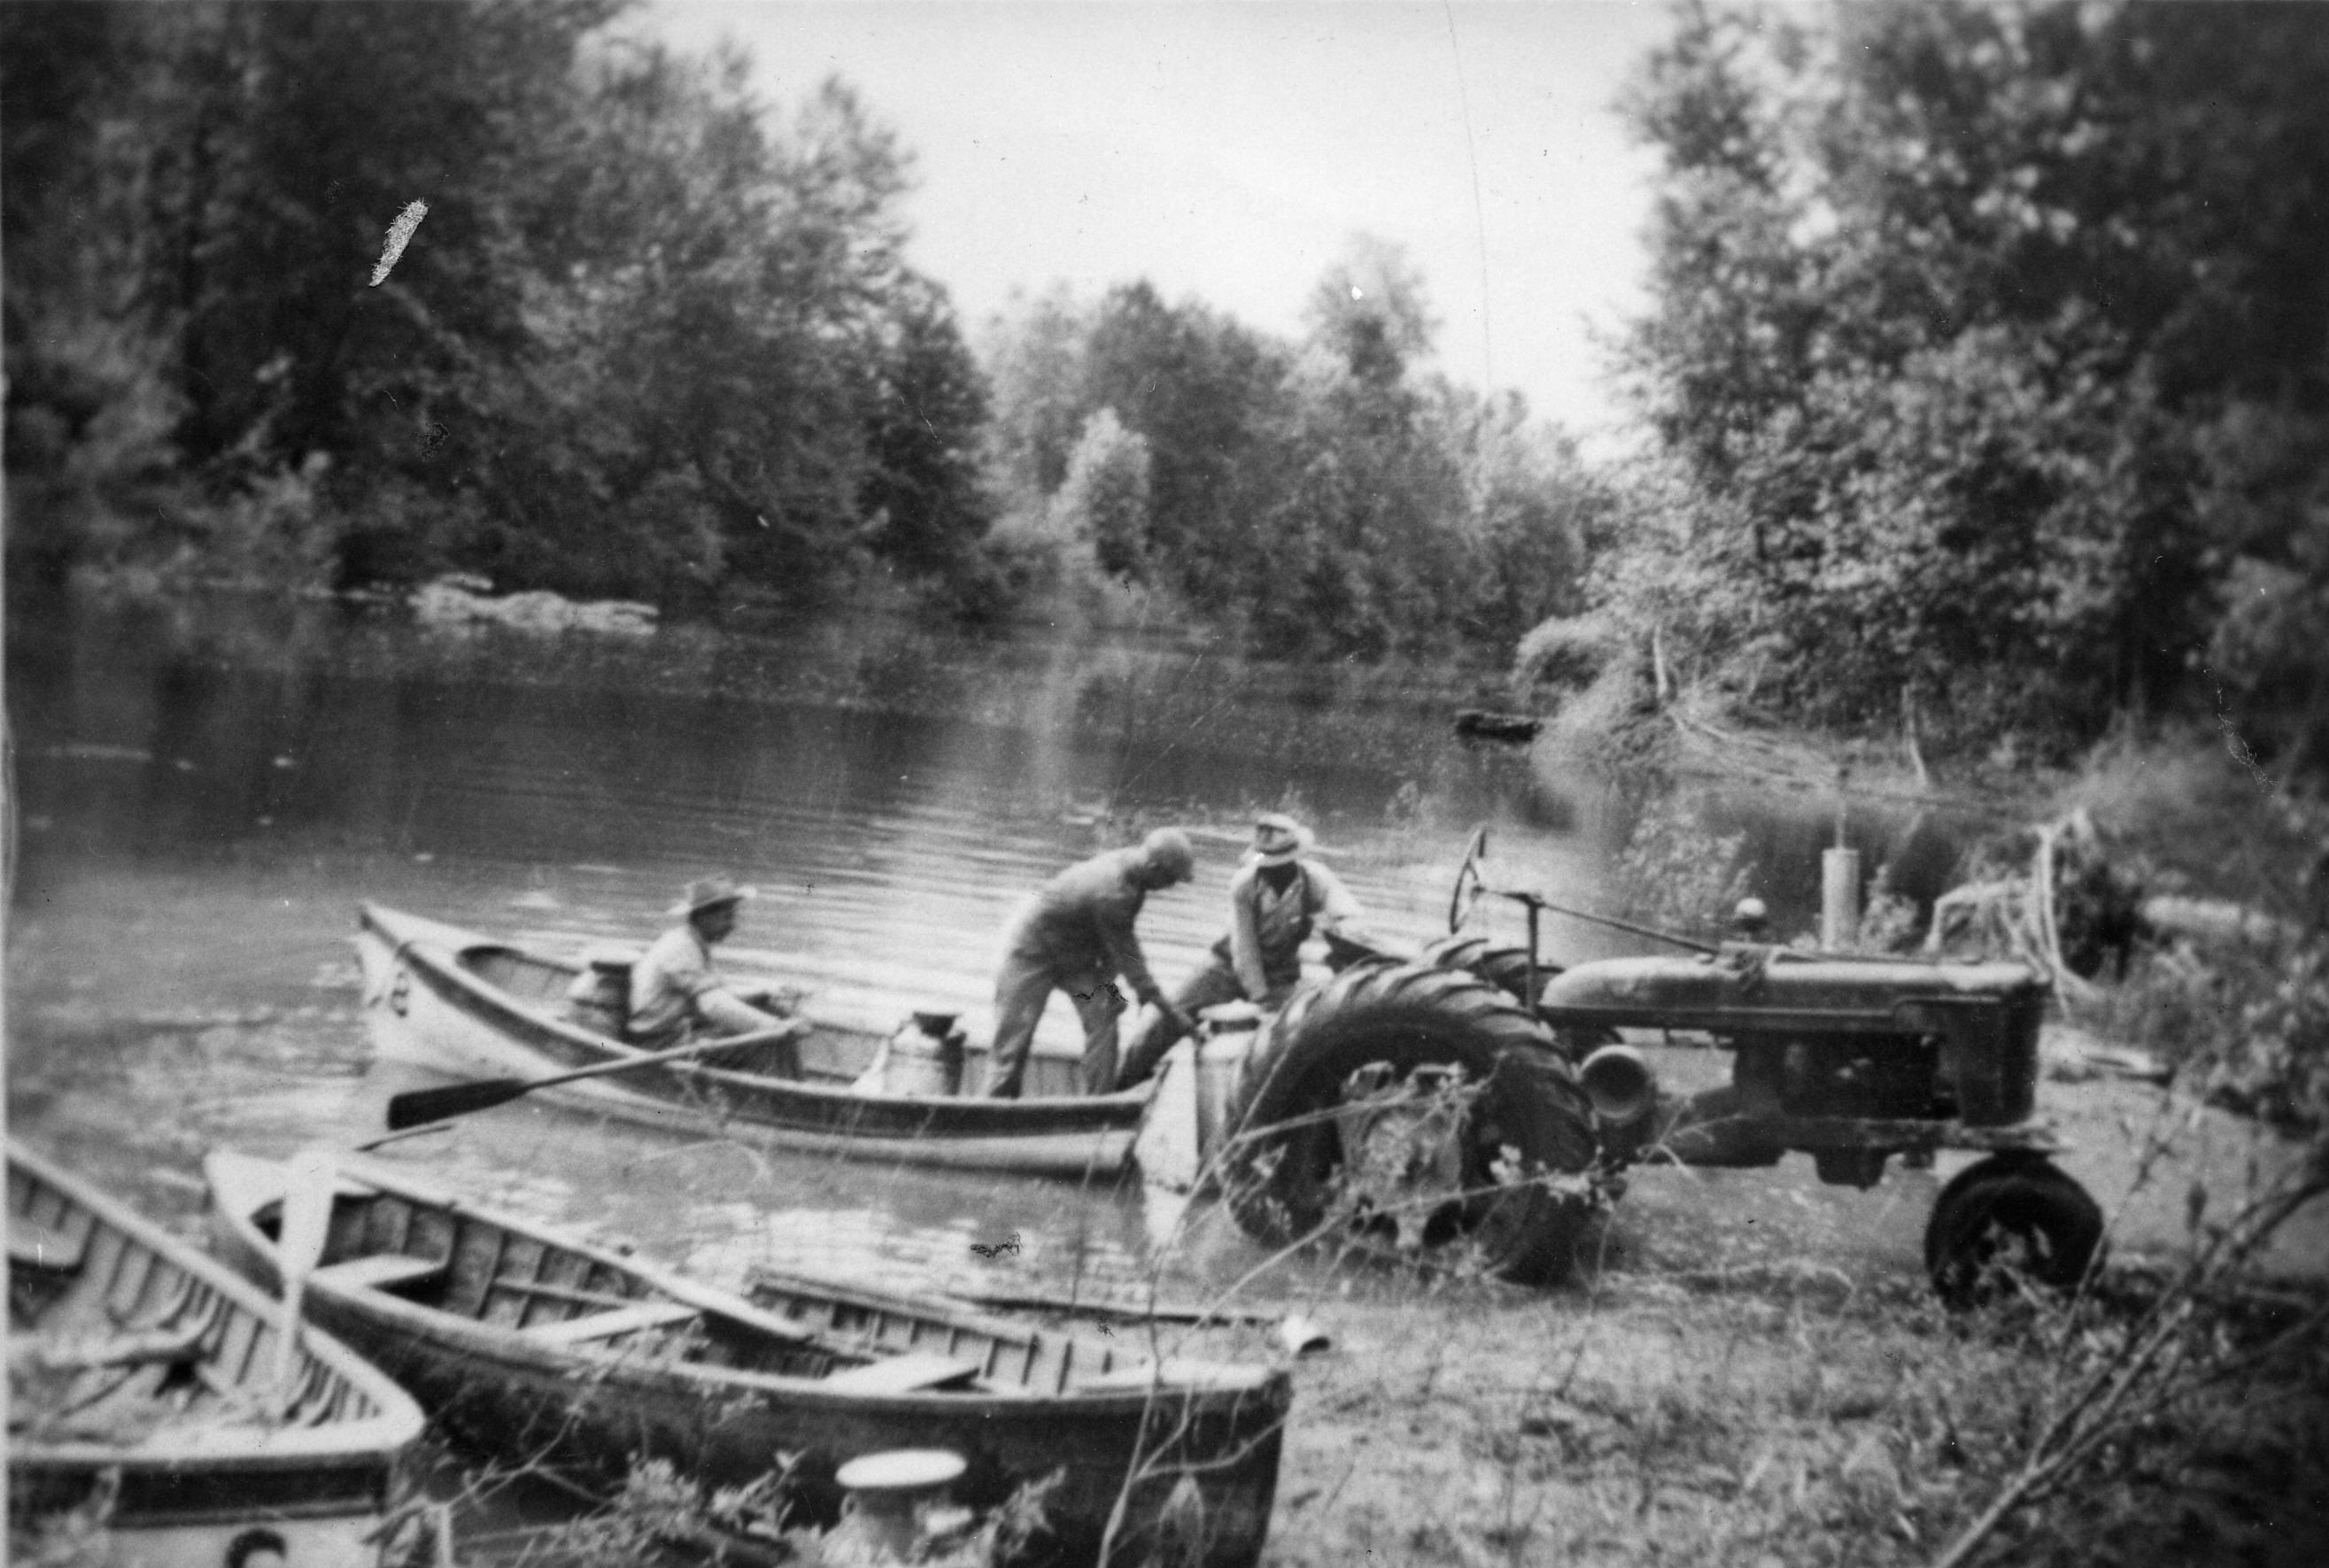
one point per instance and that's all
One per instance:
(1277, 899)
(1076, 935)
(675, 991)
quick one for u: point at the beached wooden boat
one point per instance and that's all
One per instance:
(453, 1000)
(145, 1405)
(553, 1351)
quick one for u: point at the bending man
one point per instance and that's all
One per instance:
(1076, 935)
(1277, 899)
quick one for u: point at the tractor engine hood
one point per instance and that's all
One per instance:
(1753, 988)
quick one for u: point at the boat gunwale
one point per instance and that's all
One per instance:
(469, 1337)
(438, 962)
(378, 1440)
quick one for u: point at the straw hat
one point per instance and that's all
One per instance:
(1277, 838)
(709, 893)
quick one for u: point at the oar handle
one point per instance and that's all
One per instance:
(422, 1105)
(693, 1047)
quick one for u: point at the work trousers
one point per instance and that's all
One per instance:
(1209, 986)
(1021, 993)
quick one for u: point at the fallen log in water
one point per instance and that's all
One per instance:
(1482, 724)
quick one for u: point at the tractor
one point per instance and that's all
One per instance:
(1342, 1111)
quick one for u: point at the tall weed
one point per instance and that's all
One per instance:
(1676, 873)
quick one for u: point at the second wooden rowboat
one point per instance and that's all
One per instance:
(550, 1350)
(450, 999)
(146, 1423)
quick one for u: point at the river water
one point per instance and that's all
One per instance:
(208, 790)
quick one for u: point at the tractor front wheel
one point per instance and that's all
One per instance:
(2005, 1216)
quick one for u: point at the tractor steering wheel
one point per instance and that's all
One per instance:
(1469, 884)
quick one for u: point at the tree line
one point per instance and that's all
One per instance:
(1986, 371)
(655, 339)
(648, 340)
(1325, 496)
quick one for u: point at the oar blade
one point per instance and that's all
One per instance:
(302, 1232)
(306, 1209)
(422, 1105)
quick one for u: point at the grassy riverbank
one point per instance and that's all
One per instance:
(1752, 1371)
(1792, 1420)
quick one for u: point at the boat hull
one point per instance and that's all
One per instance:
(325, 1483)
(488, 1377)
(426, 1002)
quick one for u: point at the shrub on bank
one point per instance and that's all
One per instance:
(2241, 1007)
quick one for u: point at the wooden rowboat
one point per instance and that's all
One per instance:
(551, 1350)
(145, 1406)
(452, 1000)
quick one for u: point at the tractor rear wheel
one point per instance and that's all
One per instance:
(1501, 964)
(1506, 966)
(1418, 1100)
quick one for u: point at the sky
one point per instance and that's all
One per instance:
(1228, 152)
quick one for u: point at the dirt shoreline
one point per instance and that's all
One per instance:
(1756, 1373)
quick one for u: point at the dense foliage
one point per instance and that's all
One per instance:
(1989, 364)
(1325, 496)
(641, 343)
(649, 341)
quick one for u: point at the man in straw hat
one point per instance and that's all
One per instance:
(675, 994)
(1277, 898)
(1076, 935)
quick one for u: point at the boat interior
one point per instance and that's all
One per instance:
(113, 1342)
(447, 1258)
(832, 1053)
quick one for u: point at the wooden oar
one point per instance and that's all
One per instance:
(306, 1224)
(424, 1130)
(460, 1099)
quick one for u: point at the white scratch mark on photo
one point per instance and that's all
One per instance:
(400, 234)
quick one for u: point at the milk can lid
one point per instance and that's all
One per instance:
(901, 1469)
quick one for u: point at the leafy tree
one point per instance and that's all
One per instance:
(1325, 496)
(1537, 514)
(1033, 359)
(1202, 391)
(1106, 498)
(923, 491)
(1951, 303)
(1372, 532)
(646, 339)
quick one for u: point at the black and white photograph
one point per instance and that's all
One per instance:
(1166, 783)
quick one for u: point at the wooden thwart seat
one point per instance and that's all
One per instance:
(608, 1325)
(904, 1373)
(44, 1246)
(382, 1272)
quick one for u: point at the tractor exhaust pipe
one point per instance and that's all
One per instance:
(1621, 1086)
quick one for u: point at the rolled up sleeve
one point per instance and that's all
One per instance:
(1245, 936)
(1333, 904)
(1113, 919)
